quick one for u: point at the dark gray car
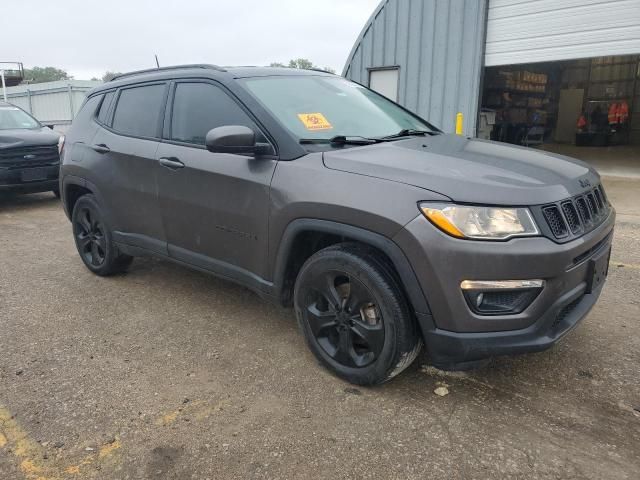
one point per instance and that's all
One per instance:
(382, 232)
(29, 159)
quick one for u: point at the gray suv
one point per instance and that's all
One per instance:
(382, 232)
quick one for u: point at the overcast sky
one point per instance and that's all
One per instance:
(87, 37)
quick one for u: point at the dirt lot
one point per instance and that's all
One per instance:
(167, 373)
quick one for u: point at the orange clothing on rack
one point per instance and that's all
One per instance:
(623, 112)
(582, 122)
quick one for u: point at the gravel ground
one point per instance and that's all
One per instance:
(173, 374)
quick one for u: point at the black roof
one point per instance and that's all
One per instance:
(229, 73)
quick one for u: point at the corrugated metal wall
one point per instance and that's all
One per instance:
(52, 103)
(438, 46)
(546, 30)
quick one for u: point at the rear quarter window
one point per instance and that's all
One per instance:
(88, 109)
(103, 111)
(139, 109)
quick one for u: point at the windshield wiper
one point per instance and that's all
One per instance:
(407, 132)
(342, 140)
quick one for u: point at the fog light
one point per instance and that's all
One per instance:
(502, 297)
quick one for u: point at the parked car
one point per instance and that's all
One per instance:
(29, 159)
(381, 231)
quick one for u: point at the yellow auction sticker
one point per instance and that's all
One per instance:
(314, 121)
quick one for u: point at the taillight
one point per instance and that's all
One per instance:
(60, 144)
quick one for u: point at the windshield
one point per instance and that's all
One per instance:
(313, 107)
(14, 118)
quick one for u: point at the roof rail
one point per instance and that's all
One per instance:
(316, 69)
(163, 69)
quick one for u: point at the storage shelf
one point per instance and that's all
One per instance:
(613, 81)
(607, 99)
(519, 92)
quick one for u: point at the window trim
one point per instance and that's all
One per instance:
(158, 134)
(166, 130)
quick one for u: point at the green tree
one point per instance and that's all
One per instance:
(109, 76)
(303, 63)
(45, 74)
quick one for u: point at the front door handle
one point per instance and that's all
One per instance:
(171, 162)
(101, 148)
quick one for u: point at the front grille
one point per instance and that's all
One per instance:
(585, 213)
(555, 221)
(591, 200)
(576, 215)
(36, 156)
(599, 200)
(571, 214)
(603, 195)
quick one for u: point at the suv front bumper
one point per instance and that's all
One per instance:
(31, 179)
(454, 334)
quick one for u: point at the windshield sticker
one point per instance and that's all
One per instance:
(314, 121)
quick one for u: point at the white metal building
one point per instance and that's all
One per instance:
(534, 63)
(52, 103)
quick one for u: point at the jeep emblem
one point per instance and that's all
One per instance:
(585, 183)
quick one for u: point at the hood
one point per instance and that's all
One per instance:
(18, 138)
(469, 170)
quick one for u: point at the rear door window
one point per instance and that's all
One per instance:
(139, 109)
(198, 107)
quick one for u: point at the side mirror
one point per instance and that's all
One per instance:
(233, 139)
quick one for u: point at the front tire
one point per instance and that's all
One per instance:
(94, 240)
(354, 315)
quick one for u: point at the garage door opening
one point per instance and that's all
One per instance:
(574, 107)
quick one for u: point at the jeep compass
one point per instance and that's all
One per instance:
(383, 233)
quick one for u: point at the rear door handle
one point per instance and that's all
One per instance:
(101, 148)
(171, 162)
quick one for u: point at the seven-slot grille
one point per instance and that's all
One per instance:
(578, 214)
(35, 156)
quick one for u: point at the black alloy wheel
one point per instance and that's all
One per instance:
(90, 237)
(354, 315)
(93, 239)
(344, 319)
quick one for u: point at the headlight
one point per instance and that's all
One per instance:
(486, 223)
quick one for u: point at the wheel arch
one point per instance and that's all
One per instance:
(294, 250)
(75, 187)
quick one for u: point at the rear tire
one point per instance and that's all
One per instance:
(354, 315)
(94, 240)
